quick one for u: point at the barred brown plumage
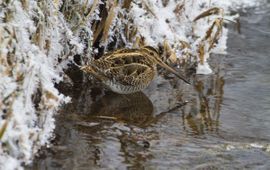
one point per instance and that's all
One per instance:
(128, 70)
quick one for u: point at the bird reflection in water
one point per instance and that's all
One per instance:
(202, 115)
(132, 109)
(118, 115)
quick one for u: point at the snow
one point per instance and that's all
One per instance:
(162, 23)
(33, 36)
(203, 69)
(27, 67)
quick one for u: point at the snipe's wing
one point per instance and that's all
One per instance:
(133, 74)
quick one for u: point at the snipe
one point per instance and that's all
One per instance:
(127, 71)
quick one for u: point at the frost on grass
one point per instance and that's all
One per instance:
(31, 37)
(38, 40)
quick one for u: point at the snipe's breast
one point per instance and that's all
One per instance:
(120, 88)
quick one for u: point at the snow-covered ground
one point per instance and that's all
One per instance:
(38, 40)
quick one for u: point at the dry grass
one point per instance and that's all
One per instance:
(106, 35)
(169, 53)
(213, 33)
(127, 4)
(108, 22)
(6, 106)
(3, 129)
(179, 9)
(148, 8)
(209, 12)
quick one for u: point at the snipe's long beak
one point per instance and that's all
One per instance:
(173, 71)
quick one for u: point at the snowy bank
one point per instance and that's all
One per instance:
(39, 39)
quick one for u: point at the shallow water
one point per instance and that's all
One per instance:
(224, 125)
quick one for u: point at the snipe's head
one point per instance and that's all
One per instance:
(152, 51)
(89, 69)
(155, 55)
